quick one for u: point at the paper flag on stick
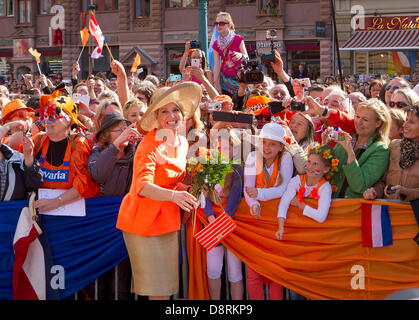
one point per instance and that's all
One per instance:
(84, 34)
(36, 54)
(136, 63)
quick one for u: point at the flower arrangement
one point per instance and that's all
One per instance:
(208, 170)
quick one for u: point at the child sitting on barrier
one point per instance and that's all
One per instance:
(313, 184)
(267, 173)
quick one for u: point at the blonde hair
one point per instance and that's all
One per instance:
(398, 116)
(135, 102)
(408, 93)
(227, 17)
(383, 114)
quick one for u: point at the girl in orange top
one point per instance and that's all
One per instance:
(149, 215)
(266, 176)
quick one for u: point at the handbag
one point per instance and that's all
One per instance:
(216, 231)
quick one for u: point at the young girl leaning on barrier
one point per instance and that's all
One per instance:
(313, 184)
(267, 173)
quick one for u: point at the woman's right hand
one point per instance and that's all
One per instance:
(130, 133)
(185, 200)
(370, 194)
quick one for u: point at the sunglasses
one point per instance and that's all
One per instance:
(389, 87)
(399, 104)
(221, 23)
(267, 117)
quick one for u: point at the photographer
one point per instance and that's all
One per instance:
(195, 58)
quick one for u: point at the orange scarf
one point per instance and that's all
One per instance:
(313, 194)
(260, 177)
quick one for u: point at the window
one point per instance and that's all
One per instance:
(24, 11)
(101, 5)
(142, 8)
(45, 6)
(269, 7)
(6, 8)
(240, 1)
(181, 3)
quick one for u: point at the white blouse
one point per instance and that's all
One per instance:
(265, 194)
(325, 197)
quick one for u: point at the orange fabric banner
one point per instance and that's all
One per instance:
(318, 260)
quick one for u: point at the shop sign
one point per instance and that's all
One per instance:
(267, 45)
(320, 29)
(175, 55)
(392, 23)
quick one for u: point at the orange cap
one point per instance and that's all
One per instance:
(257, 105)
(12, 106)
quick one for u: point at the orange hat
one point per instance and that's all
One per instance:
(257, 105)
(65, 103)
(12, 106)
(222, 98)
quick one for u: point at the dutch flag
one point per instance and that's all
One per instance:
(376, 226)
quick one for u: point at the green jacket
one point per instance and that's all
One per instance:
(364, 172)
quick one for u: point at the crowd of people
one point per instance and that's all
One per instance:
(129, 137)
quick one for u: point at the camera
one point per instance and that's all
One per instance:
(275, 107)
(390, 189)
(251, 73)
(297, 106)
(194, 44)
(334, 135)
(266, 58)
(214, 106)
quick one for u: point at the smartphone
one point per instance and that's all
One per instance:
(194, 44)
(297, 106)
(232, 117)
(175, 77)
(275, 107)
(196, 63)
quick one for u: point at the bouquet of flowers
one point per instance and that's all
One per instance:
(208, 170)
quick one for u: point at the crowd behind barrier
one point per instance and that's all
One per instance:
(312, 155)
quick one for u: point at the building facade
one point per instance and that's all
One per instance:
(157, 30)
(384, 38)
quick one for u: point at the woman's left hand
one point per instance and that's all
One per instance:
(45, 205)
(236, 56)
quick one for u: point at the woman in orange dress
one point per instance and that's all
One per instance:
(149, 215)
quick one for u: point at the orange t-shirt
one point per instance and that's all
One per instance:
(164, 165)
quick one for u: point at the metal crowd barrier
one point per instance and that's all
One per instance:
(184, 277)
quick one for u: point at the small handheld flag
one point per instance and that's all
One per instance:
(37, 56)
(84, 34)
(136, 63)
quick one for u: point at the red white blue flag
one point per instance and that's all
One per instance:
(96, 32)
(376, 226)
(29, 265)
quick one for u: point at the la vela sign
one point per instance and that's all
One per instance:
(56, 26)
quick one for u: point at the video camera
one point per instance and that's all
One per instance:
(266, 58)
(251, 70)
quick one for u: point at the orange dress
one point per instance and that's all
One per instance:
(164, 165)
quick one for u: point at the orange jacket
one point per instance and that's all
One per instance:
(158, 163)
(78, 175)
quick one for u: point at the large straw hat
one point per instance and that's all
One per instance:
(188, 94)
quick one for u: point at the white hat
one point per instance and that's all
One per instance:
(273, 131)
(416, 89)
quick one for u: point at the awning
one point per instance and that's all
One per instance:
(383, 40)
